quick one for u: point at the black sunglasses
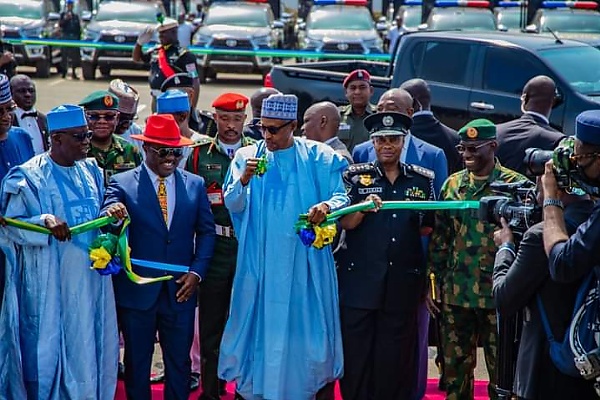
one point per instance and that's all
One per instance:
(79, 136)
(164, 152)
(96, 117)
(472, 148)
(273, 130)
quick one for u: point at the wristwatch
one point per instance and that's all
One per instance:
(554, 202)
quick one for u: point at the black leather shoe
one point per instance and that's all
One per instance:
(158, 378)
(194, 381)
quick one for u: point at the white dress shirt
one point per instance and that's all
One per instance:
(540, 116)
(29, 124)
(170, 184)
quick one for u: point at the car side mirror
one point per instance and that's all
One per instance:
(531, 28)
(278, 24)
(86, 16)
(422, 27)
(502, 28)
(53, 16)
(559, 98)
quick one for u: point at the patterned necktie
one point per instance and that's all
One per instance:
(162, 198)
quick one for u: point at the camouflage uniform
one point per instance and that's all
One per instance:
(121, 156)
(352, 130)
(462, 255)
(210, 162)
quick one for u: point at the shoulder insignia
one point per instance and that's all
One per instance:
(363, 168)
(205, 114)
(203, 141)
(365, 179)
(427, 173)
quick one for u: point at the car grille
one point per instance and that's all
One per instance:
(117, 53)
(240, 44)
(335, 47)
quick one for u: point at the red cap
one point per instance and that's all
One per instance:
(163, 130)
(230, 102)
(357, 75)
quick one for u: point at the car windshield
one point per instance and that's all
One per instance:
(577, 65)
(466, 21)
(346, 18)
(510, 19)
(28, 9)
(412, 17)
(572, 22)
(131, 12)
(237, 16)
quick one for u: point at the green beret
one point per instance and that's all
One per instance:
(100, 100)
(478, 129)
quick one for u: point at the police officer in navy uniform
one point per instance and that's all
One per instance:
(199, 121)
(166, 59)
(381, 267)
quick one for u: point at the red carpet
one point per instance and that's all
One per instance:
(432, 392)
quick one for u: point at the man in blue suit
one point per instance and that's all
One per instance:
(171, 222)
(415, 151)
(423, 154)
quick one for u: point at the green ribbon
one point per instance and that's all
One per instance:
(122, 244)
(392, 205)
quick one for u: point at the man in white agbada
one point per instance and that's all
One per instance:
(282, 340)
(58, 320)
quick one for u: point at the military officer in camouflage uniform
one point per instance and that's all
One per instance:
(462, 255)
(358, 90)
(199, 121)
(381, 269)
(112, 153)
(211, 159)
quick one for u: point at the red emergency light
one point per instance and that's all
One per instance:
(463, 3)
(583, 5)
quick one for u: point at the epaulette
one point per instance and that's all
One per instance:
(427, 173)
(204, 140)
(363, 168)
(182, 51)
(205, 114)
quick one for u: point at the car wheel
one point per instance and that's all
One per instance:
(105, 70)
(89, 71)
(42, 69)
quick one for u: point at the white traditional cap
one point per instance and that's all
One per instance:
(280, 106)
(166, 25)
(5, 95)
(128, 96)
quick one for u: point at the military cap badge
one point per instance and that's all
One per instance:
(387, 121)
(108, 101)
(239, 104)
(472, 133)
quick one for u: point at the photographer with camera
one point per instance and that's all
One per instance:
(462, 256)
(522, 282)
(573, 257)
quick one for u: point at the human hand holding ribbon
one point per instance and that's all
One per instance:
(321, 235)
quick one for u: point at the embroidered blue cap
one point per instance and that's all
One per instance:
(280, 106)
(172, 101)
(5, 95)
(587, 127)
(66, 116)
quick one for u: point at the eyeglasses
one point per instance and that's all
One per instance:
(97, 117)
(273, 130)
(79, 136)
(577, 157)
(164, 152)
(471, 148)
(7, 110)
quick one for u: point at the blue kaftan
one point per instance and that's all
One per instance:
(58, 320)
(282, 339)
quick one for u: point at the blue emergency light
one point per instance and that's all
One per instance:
(508, 4)
(413, 3)
(340, 2)
(462, 3)
(586, 5)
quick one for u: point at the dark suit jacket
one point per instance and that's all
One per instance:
(517, 282)
(522, 133)
(418, 152)
(427, 128)
(42, 125)
(189, 241)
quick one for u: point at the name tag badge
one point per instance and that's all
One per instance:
(213, 167)
(215, 196)
(124, 166)
(370, 190)
(344, 127)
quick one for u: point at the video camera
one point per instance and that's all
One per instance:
(516, 202)
(568, 176)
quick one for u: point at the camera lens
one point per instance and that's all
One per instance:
(535, 160)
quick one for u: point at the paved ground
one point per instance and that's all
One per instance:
(56, 91)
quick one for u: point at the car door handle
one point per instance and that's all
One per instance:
(482, 106)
